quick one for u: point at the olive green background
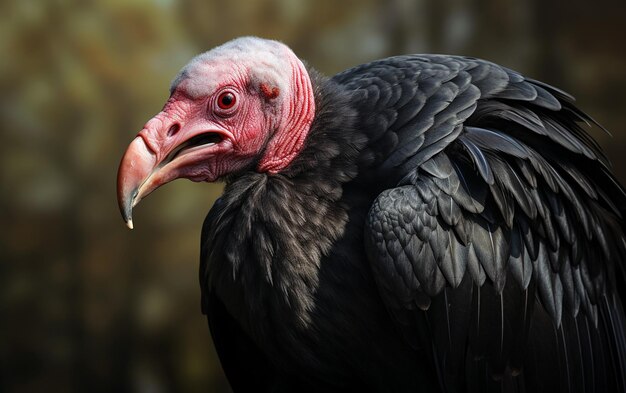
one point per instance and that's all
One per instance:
(87, 305)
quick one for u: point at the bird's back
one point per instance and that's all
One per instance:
(498, 234)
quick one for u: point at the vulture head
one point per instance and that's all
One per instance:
(247, 104)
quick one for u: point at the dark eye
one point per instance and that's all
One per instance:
(226, 100)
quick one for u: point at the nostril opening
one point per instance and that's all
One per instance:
(173, 129)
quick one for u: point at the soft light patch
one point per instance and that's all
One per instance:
(269, 61)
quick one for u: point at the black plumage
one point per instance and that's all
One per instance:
(449, 226)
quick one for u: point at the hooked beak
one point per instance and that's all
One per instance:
(143, 170)
(135, 177)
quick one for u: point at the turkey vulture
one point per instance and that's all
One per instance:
(420, 223)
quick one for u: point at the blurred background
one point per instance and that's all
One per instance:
(87, 305)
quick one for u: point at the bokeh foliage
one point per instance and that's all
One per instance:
(86, 305)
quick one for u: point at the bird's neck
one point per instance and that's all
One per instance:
(269, 233)
(294, 121)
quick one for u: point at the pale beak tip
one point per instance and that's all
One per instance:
(129, 223)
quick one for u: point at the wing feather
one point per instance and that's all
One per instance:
(504, 214)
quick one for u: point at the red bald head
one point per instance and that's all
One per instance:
(249, 101)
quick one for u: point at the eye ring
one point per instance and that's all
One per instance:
(226, 102)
